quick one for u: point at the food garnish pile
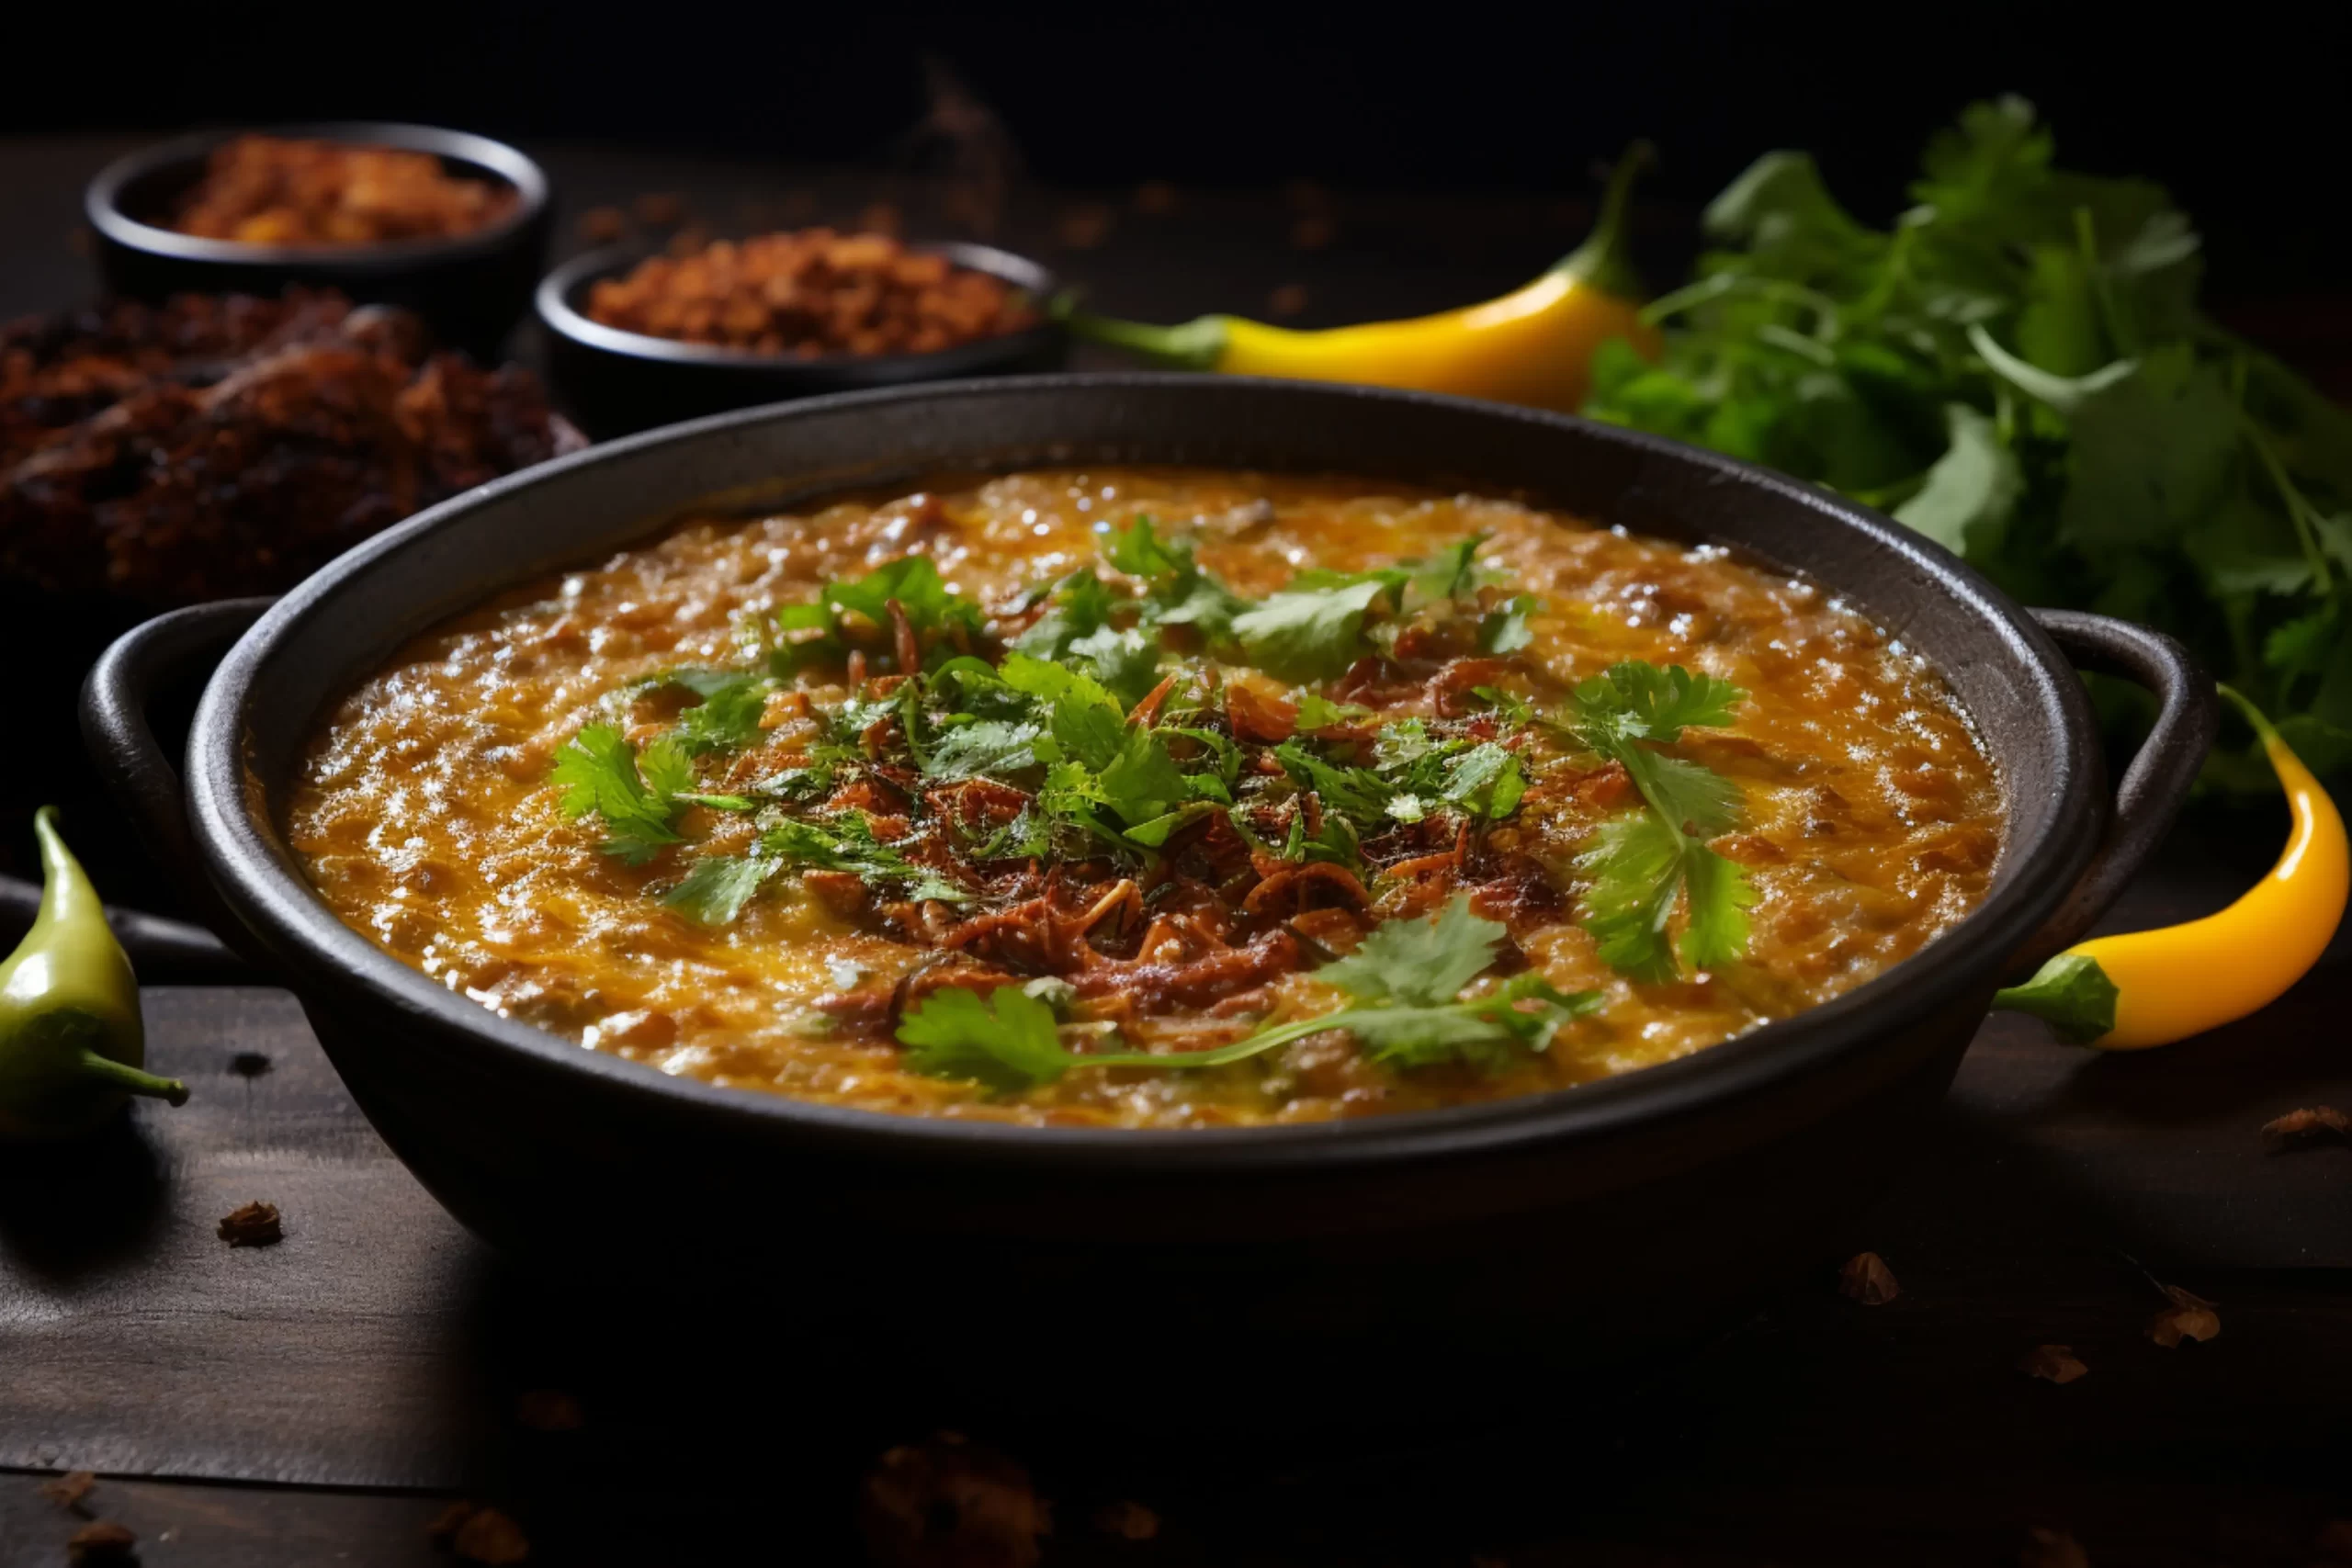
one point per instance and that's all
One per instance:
(809, 294)
(2017, 368)
(1071, 746)
(218, 446)
(1238, 799)
(274, 190)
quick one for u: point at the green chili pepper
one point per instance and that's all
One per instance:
(72, 1044)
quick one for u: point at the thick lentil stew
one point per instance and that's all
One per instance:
(1153, 799)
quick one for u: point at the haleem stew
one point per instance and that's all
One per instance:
(1152, 798)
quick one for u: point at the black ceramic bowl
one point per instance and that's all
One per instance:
(1459, 1253)
(471, 288)
(616, 383)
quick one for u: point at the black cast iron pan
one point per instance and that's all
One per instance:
(1468, 1257)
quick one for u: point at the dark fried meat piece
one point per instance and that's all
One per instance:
(1158, 986)
(60, 369)
(201, 474)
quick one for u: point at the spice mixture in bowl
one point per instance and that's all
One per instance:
(1153, 799)
(450, 225)
(274, 190)
(812, 293)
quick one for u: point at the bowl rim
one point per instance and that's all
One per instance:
(265, 891)
(102, 199)
(553, 299)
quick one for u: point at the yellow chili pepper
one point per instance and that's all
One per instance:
(1532, 346)
(2127, 993)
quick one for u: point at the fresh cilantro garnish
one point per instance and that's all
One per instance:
(1138, 550)
(1451, 573)
(1504, 628)
(719, 886)
(1087, 724)
(1076, 606)
(815, 630)
(1405, 743)
(1406, 981)
(1124, 663)
(635, 793)
(1007, 1043)
(914, 581)
(1485, 781)
(1642, 867)
(728, 718)
(1317, 711)
(1310, 634)
(985, 746)
(1181, 593)
(847, 843)
(1419, 962)
(1351, 791)
(2015, 367)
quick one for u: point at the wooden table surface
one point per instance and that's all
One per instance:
(321, 1399)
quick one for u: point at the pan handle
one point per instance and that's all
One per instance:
(164, 952)
(2156, 782)
(139, 772)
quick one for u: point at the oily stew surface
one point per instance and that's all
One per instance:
(1299, 798)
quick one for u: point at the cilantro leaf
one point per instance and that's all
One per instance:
(1310, 634)
(1695, 799)
(1142, 781)
(1181, 593)
(1451, 573)
(1077, 605)
(1968, 497)
(1406, 742)
(1485, 781)
(634, 793)
(1138, 550)
(914, 581)
(1355, 792)
(1636, 867)
(719, 886)
(1126, 662)
(987, 746)
(1008, 1042)
(1638, 701)
(1504, 628)
(1420, 962)
(728, 718)
(1317, 711)
(1086, 723)
(847, 843)
(1642, 867)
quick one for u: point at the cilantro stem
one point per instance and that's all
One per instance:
(1707, 289)
(2299, 509)
(2120, 336)
(1220, 1055)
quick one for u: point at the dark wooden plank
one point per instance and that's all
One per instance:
(136, 1340)
(224, 1527)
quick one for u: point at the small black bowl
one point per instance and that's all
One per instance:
(471, 289)
(616, 383)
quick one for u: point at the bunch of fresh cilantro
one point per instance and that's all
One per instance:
(2018, 370)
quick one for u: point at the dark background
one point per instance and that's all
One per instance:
(2240, 109)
